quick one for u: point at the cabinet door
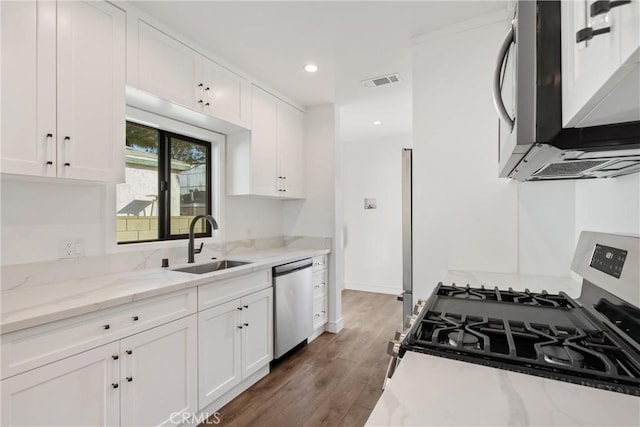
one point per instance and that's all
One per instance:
(291, 150)
(159, 374)
(586, 66)
(167, 68)
(218, 351)
(628, 16)
(224, 93)
(91, 91)
(28, 88)
(257, 331)
(81, 390)
(264, 135)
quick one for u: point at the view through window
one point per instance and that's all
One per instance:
(167, 183)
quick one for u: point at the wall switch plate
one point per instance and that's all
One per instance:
(370, 203)
(71, 248)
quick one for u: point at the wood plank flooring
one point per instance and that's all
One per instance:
(334, 381)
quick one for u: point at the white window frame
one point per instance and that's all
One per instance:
(217, 141)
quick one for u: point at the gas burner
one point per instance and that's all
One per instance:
(563, 356)
(469, 341)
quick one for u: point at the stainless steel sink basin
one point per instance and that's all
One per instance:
(210, 267)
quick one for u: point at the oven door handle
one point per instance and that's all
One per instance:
(498, 102)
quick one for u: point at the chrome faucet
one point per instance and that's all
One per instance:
(192, 250)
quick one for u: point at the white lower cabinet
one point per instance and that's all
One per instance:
(147, 379)
(235, 340)
(158, 374)
(155, 362)
(320, 293)
(82, 390)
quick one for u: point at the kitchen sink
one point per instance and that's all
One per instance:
(210, 267)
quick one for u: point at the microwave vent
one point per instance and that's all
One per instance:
(381, 81)
(567, 169)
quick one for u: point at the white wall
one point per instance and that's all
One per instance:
(373, 237)
(314, 216)
(465, 217)
(608, 205)
(252, 218)
(36, 215)
(546, 218)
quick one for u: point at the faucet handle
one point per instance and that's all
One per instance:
(197, 251)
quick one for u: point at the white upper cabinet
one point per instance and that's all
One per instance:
(264, 144)
(166, 67)
(63, 98)
(600, 72)
(225, 94)
(171, 70)
(291, 151)
(269, 160)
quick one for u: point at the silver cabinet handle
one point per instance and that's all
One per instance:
(49, 148)
(497, 86)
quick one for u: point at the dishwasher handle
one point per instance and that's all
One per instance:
(281, 270)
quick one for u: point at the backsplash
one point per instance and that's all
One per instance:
(40, 273)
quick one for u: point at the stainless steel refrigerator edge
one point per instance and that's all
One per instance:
(407, 233)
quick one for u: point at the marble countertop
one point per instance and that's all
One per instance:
(36, 305)
(430, 390)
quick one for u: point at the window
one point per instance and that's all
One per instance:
(167, 183)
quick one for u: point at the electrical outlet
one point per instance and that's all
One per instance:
(71, 248)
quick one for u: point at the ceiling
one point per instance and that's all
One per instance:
(349, 41)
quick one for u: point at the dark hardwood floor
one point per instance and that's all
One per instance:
(334, 381)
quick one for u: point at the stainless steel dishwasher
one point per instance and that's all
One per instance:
(293, 290)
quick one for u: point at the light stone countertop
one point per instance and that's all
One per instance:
(429, 390)
(36, 305)
(434, 391)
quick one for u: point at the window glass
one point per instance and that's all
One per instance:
(167, 183)
(189, 178)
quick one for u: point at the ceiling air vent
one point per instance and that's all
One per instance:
(381, 81)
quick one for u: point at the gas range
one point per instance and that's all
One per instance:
(593, 340)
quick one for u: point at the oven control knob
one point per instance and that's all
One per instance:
(409, 321)
(393, 348)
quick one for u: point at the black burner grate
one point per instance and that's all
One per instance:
(579, 353)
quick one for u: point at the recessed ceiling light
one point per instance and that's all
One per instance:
(311, 68)
(377, 122)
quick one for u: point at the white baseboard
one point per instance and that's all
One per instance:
(335, 327)
(366, 287)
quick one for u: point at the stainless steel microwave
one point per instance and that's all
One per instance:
(527, 92)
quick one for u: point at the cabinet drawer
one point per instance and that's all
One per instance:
(319, 262)
(219, 292)
(33, 347)
(320, 284)
(320, 312)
